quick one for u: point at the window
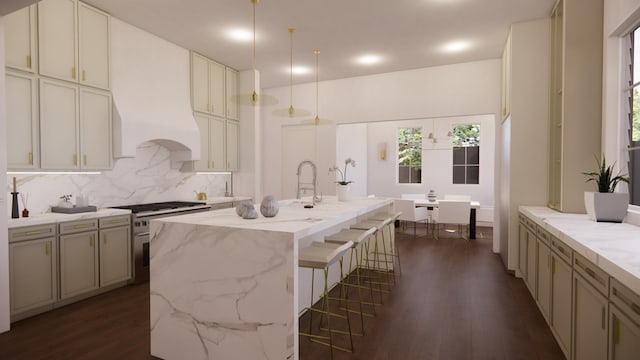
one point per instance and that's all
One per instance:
(410, 155)
(466, 154)
(633, 94)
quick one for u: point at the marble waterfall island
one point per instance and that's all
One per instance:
(223, 287)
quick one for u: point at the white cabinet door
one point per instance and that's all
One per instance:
(544, 280)
(95, 126)
(22, 126)
(522, 251)
(33, 275)
(233, 110)
(20, 42)
(217, 140)
(233, 146)
(93, 47)
(57, 38)
(200, 83)
(115, 255)
(590, 321)
(203, 125)
(561, 284)
(78, 263)
(58, 125)
(532, 263)
(624, 339)
(216, 88)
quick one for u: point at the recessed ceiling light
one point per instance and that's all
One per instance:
(456, 46)
(369, 59)
(300, 70)
(239, 34)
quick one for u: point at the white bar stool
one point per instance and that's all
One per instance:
(321, 256)
(377, 263)
(391, 226)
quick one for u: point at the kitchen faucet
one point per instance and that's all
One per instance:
(315, 182)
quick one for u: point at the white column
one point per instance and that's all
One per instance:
(4, 241)
(248, 181)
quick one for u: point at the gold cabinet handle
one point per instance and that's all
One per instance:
(91, 240)
(79, 226)
(84, 75)
(616, 331)
(84, 159)
(30, 158)
(73, 73)
(36, 232)
(590, 272)
(46, 249)
(29, 61)
(75, 159)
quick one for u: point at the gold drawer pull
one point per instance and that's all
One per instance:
(616, 331)
(561, 249)
(46, 249)
(80, 226)
(36, 232)
(590, 272)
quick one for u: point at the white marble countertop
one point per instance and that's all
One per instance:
(291, 218)
(615, 248)
(48, 218)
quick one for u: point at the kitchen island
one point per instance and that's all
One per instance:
(223, 287)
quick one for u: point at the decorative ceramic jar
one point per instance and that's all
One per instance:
(269, 206)
(343, 192)
(431, 196)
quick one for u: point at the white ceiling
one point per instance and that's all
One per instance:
(408, 34)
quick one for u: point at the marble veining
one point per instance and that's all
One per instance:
(614, 247)
(149, 177)
(223, 287)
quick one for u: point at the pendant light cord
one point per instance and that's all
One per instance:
(291, 30)
(317, 52)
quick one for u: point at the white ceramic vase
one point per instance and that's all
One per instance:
(343, 192)
(606, 207)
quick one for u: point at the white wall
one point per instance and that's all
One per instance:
(351, 142)
(452, 90)
(620, 16)
(4, 242)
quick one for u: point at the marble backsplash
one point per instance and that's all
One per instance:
(146, 178)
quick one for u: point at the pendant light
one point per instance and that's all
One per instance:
(317, 120)
(255, 99)
(291, 111)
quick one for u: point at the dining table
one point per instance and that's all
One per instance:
(472, 214)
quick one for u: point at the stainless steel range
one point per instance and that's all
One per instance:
(141, 215)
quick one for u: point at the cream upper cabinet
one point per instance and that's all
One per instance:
(57, 35)
(74, 42)
(115, 255)
(207, 85)
(58, 125)
(233, 111)
(20, 47)
(94, 47)
(22, 121)
(233, 146)
(95, 129)
(217, 143)
(203, 125)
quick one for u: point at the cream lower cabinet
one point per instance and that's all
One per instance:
(624, 339)
(75, 127)
(22, 121)
(590, 321)
(522, 250)
(561, 285)
(544, 280)
(78, 258)
(115, 251)
(33, 274)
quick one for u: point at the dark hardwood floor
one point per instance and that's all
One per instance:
(454, 301)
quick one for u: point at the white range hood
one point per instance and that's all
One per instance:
(150, 87)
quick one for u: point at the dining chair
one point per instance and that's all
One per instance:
(454, 212)
(409, 212)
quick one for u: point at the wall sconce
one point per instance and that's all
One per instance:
(382, 151)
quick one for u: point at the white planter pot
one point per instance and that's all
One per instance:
(606, 207)
(343, 192)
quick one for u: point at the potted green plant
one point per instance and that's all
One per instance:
(606, 205)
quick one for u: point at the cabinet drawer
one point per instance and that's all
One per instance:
(593, 274)
(543, 235)
(77, 226)
(219, 206)
(114, 221)
(561, 249)
(527, 222)
(32, 232)
(626, 300)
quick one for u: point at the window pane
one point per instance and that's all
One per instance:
(458, 156)
(634, 172)
(636, 115)
(473, 155)
(458, 174)
(466, 135)
(636, 55)
(409, 155)
(473, 174)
